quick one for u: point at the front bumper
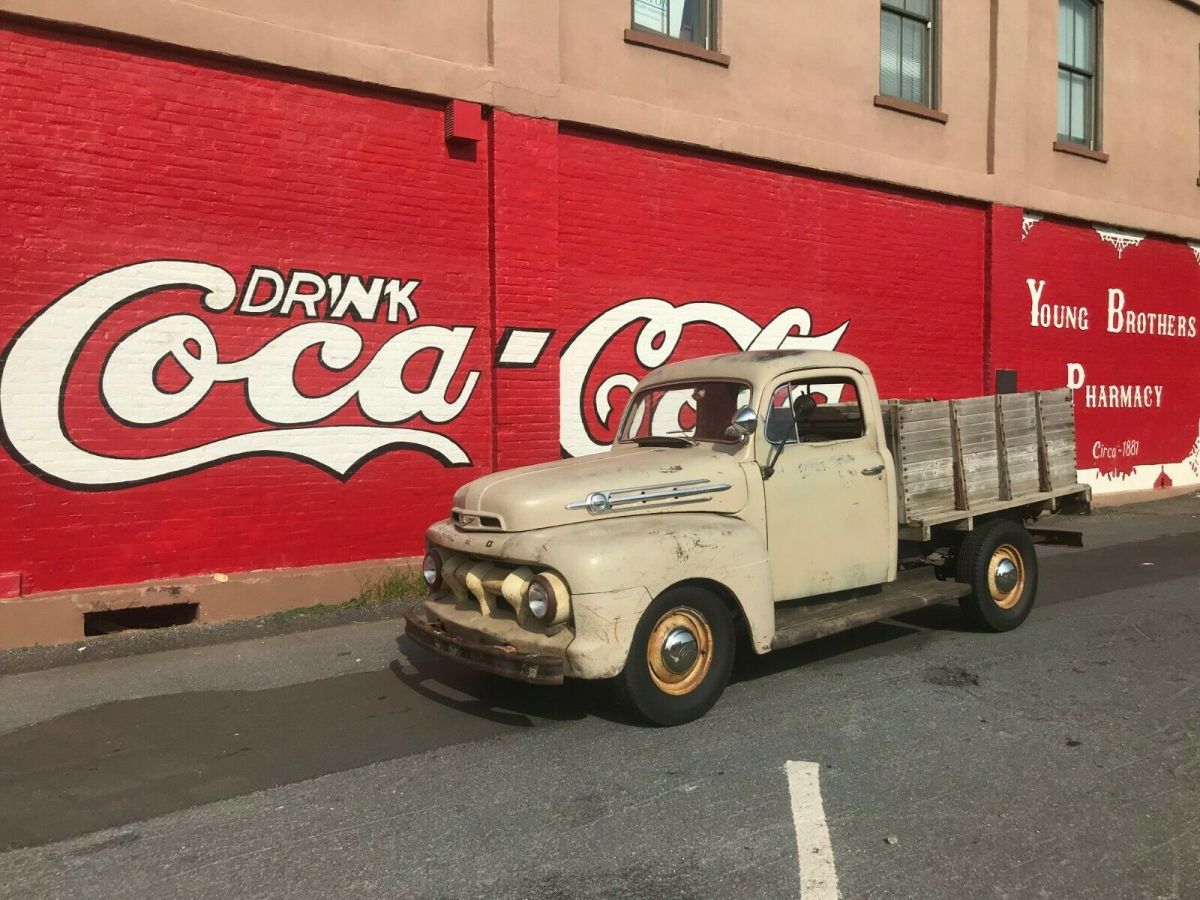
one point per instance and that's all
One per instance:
(496, 659)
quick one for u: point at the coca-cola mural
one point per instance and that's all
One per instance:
(167, 366)
(591, 398)
(307, 381)
(255, 323)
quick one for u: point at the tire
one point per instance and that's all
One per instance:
(992, 605)
(650, 686)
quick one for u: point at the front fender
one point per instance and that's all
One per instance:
(638, 557)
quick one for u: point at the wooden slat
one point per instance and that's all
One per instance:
(949, 517)
(1056, 439)
(923, 450)
(975, 444)
(915, 412)
(1017, 426)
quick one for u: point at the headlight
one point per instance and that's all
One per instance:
(547, 599)
(541, 600)
(431, 569)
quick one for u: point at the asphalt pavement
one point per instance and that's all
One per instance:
(1059, 760)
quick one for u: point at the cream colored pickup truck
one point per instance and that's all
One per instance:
(756, 499)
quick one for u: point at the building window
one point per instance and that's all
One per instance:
(1078, 45)
(906, 47)
(693, 21)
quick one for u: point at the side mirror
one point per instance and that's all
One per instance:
(745, 422)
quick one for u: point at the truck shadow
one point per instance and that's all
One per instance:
(500, 700)
(1066, 577)
(514, 704)
(901, 634)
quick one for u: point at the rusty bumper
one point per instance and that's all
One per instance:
(534, 668)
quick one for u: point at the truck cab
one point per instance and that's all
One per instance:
(751, 494)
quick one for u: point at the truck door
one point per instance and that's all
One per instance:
(830, 516)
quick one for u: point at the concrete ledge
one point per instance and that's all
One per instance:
(1124, 498)
(57, 617)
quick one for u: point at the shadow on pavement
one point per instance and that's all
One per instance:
(122, 762)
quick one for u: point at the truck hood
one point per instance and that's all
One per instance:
(589, 488)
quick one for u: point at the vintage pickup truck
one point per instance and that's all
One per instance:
(757, 499)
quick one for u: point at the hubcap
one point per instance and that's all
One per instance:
(1006, 576)
(679, 652)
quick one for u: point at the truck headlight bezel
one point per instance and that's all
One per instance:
(431, 569)
(541, 600)
(547, 600)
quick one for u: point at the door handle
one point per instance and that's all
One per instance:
(874, 470)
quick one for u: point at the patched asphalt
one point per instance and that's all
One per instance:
(1060, 760)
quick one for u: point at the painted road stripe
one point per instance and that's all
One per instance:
(818, 878)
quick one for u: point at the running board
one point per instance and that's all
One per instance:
(808, 620)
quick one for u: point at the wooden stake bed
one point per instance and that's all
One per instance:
(958, 459)
(808, 620)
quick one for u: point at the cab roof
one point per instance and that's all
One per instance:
(753, 366)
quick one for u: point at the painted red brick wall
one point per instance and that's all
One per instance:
(481, 304)
(1116, 314)
(111, 156)
(759, 245)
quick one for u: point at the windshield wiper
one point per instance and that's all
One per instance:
(664, 440)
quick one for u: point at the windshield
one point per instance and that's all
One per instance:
(685, 413)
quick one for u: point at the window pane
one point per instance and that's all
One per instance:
(912, 66)
(827, 411)
(1079, 106)
(920, 7)
(682, 18)
(1064, 105)
(889, 55)
(1066, 31)
(651, 15)
(781, 422)
(1083, 35)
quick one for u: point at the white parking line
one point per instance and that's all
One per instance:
(818, 878)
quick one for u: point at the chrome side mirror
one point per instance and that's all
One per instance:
(745, 422)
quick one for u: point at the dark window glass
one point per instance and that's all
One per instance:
(906, 45)
(812, 411)
(699, 411)
(693, 21)
(1078, 29)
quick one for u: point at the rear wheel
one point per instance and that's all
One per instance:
(1000, 564)
(680, 658)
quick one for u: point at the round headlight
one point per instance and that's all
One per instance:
(431, 569)
(540, 599)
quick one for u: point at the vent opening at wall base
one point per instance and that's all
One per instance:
(164, 615)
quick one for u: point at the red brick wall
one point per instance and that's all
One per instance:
(1053, 284)
(903, 273)
(154, 425)
(110, 157)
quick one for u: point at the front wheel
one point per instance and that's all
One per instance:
(680, 658)
(1000, 564)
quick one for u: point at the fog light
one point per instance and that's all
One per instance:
(431, 569)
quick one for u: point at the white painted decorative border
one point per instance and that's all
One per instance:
(1195, 249)
(1028, 221)
(1185, 473)
(1122, 240)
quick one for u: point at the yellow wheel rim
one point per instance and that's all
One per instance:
(1006, 576)
(679, 652)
